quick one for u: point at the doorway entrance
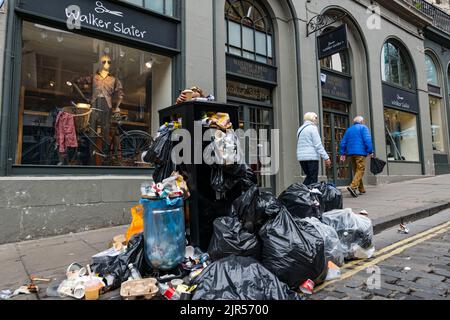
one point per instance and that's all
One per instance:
(335, 122)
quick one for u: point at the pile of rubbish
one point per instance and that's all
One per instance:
(265, 247)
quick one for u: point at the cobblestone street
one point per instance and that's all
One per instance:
(420, 272)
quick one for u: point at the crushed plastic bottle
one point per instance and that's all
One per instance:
(135, 275)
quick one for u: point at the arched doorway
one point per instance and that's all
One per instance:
(251, 70)
(344, 89)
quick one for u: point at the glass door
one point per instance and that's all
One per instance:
(335, 123)
(258, 118)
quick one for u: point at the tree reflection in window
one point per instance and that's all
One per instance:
(432, 74)
(249, 30)
(396, 66)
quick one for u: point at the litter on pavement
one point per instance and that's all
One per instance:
(263, 248)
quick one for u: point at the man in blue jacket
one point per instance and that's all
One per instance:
(357, 144)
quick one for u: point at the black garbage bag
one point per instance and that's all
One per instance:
(160, 150)
(224, 178)
(293, 250)
(300, 202)
(255, 207)
(163, 171)
(377, 165)
(331, 198)
(354, 230)
(160, 154)
(240, 278)
(333, 248)
(242, 174)
(118, 267)
(230, 238)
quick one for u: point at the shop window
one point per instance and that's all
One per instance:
(437, 128)
(249, 31)
(338, 62)
(401, 135)
(396, 68)
(65, 76)
(432, 74)
(161, 6)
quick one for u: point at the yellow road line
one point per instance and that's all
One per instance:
(398, 244)
(382, 258)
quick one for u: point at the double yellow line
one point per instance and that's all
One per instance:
(388, 252)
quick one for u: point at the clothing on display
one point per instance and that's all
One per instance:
(66, 134)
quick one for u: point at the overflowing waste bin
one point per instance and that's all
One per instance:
(164, 232)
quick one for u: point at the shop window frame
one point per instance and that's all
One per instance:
(418, 135)
(14, 41)
(431, 94)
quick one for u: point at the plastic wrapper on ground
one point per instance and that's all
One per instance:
(240, 278)
(352, 229)
(300, 202)
(230, 238)
(293, 250)
(333, 249)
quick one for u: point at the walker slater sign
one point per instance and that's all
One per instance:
(332, 42)
(106, 17)
(400, 99)
(253, 70)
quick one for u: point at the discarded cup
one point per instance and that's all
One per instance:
(92, 289)
(190, 251)
(75, 271)
(176, 282)
(307, 287)
(79, 291)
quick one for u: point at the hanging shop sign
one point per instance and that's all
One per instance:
(108, 17)
(247, 91)
(400, 99)
(336, 86)
(252, 70)
(332, 42)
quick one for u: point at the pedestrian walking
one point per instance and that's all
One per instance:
(357, 145)
(310, 148)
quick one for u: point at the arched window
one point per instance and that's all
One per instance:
(396, 68)
(432, 74)
(249, 31)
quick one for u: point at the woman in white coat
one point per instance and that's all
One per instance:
(310, 148)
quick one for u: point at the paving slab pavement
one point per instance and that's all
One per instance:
(49, 257)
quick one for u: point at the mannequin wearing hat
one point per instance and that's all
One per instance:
(105, 88)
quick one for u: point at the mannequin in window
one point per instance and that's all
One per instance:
(105, 87)
(398, 138)
(389, 137)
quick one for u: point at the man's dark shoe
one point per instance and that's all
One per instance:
(352, 192)
(362, 192)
